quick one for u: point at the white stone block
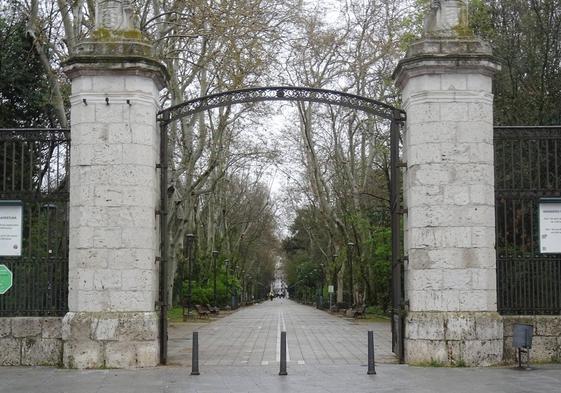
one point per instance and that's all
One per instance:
(440, 237)
(138, 196)
(132, 300)
(142, 113)
(431, 175)
(109, 114)
(107, 279)
(481, 111)
(475, 300)
(453, 111)
(119, 133)
(422, 112)
(482, 194)
(134, 237)
(104, 329)
(139, 279)
(81, 238)
(128, 259)
(89, 301)
(132, 175)
(431, 279)
(82, 84)
(484, 237)
(145, 134)
(81, 114)
(481, 83)
(90, 258)
(453, 82)
(81, 279)
(459, 279)
(108, 84)
(107, 195)
(107, 237)
(139, 154)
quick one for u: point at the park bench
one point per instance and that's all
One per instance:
(203, 312)
(360, 311)
(213, 310)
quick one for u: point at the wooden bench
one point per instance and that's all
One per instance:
(360, 311)
(203, 313)
(213, 310)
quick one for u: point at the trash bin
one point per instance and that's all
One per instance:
(522, 340)
(522, 336)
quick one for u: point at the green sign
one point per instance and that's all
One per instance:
(6, 279)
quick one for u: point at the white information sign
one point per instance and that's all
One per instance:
(11, 213)
(550, 226)
(330, 289)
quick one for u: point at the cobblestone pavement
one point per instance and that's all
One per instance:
(251, 337)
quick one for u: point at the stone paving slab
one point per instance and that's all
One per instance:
(305, 379)
(251, 337)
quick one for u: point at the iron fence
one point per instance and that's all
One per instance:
(527, 168)
(34, 170)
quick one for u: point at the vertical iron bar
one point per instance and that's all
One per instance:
(397, 318)
(163, 243)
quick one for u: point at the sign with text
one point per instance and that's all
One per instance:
(550, 225)
(11, 216)
(331, 289)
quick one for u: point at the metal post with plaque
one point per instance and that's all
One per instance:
(550, 225)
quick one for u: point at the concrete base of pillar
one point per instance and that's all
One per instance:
(454, 338)
(110, 339)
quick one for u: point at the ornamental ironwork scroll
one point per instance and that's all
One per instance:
(281, 93)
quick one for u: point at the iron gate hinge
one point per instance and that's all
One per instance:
(402, 164)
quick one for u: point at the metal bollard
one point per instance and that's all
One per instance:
(195, 355)
(371, 365)
(283, 354)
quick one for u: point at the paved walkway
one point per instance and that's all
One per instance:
(239, 354)
(303, 379)
(251, 337)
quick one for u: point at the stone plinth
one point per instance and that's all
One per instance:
(449, 192)
(114, 195)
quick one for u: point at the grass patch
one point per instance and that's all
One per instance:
(175, 314)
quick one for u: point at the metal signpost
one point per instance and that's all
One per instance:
(330, 289)
(550, 225)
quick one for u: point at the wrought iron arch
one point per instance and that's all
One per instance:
(281, 93)
(300, 94)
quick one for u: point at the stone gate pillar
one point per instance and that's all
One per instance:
(450, 287)
(114, 193)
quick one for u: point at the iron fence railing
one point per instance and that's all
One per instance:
(527, 168)
(34, 167)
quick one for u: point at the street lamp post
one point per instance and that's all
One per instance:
(188, 252)
(350, 264)
(214, 256)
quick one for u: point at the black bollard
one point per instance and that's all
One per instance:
(195, 355)
(371, 365)
(283, 354)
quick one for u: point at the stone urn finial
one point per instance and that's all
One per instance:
(116, 15)
(447, 18)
